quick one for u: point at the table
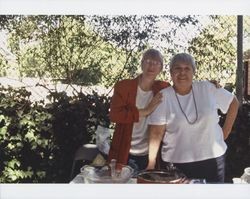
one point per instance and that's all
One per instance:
(79, 179)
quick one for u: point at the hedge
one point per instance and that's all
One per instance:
(38, 140)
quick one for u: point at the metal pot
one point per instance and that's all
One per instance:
(160, 177)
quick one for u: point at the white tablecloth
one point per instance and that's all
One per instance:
(80, 179)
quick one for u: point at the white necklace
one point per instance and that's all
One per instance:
(196, 112)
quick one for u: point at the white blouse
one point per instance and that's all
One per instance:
(184, 142)
(139, 142)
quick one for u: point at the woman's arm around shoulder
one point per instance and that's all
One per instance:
(159, 85)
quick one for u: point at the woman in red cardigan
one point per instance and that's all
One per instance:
(133, 100)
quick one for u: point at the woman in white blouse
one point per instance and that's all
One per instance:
(187, 124)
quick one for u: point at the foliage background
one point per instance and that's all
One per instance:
(38, 139)
(99, 50)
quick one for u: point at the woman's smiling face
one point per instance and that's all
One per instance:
(182, 74)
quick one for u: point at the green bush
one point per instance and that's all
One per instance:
(38, 140)
(238, 153)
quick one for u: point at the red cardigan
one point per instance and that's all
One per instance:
(124, 113)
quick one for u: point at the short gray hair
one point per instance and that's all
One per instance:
(182, 57)
(152, 54)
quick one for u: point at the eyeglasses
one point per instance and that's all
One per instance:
(149, 62)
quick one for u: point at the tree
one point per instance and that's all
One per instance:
(58, 47)
(88, 49)
(3, 65)
(4, 21)
(135, 33)
(214, 50)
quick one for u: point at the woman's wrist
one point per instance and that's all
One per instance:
(151, 164)
(144, 112)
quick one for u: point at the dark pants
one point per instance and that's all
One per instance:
(212, 170)
(138, 163)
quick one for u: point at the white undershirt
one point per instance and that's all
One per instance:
(139, 142)
(202, 140)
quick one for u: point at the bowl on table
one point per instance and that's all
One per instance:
(161, 177)
(121, 174)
